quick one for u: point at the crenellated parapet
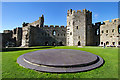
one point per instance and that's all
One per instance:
(51, 25)
(45, 25)
(7, 31)
(71, 12)
(54, 26)
(62, 26)
(111, 22)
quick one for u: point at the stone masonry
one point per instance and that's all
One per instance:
(79, 28)
(35, 34)
(79, 32)
(110, 33)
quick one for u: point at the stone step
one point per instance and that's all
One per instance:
(55, 68)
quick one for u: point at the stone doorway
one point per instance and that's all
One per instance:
(60, 43)
(53, 44)
(46, 43)
(79, 43)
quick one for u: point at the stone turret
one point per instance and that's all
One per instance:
(41, 20)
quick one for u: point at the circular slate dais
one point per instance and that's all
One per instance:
(60, 60)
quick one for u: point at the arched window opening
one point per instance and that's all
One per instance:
(107, 43)
(101, 43)
(77, 27)
(73, 23)
(102, 31)
(112, 30)
(70, 33)
(106, 31)
(54, 33)
(69, 23)
(113, 43)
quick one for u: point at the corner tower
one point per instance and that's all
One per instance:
(79, 25)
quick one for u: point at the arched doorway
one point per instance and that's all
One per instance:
(79, 43)
(60, 43)
(46, 43)
(53, 44)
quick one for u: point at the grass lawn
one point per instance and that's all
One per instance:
(10, 69)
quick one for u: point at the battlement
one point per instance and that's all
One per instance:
(112, 21)
(115, 20)
(7, 31)
(56, 26)
(51, 25)
(45, 25)
(62, 26)
(70, 12)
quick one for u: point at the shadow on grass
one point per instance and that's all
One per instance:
(19, 48)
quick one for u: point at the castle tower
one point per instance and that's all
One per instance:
(41, 20)
(79, 26)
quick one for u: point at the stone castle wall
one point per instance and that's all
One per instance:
(48, 36)
(12, 37)
(109, 33)
(44, 36)
(79, 32)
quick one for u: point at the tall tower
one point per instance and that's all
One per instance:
(41, 20)
(79, 26)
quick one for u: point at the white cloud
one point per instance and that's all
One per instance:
(95, 16)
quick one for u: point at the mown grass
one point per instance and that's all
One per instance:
(10, 69)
